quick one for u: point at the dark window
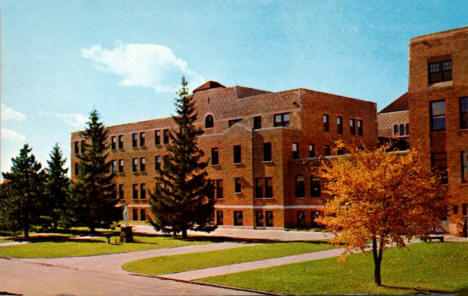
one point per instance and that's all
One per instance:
(233, 121)
(142, 191)
(259, 218)
(77, 169)
(165, 136)
(301, 223)
(166, 161)
(135, 165)
(157, 137)
(219, 217)
(82, 146)
(121, 165)
(340, 151)
(142, 164)
(402, 129)
(352, 126)
(439, 165)
(135, 214)
(438, 115)
(440, 71)
(237, 185)
(257, 122)
(339, 124)
(359, 127)
(134, 140)
(314, 186)
(238, 218)
(464, 209)
(135, 191)
(455, 209)
(311, 150)
(142, 215)
(395, 130)
(407, 129)
(114, 166)
(314, 215)
(219, 189)
(266, 151)
(326, 123)
(214, 156)
(113, 142)
(157, 163)
(209, 122)
(281, 120)
(299, 186)
(269, 218)
(258, 187)
(295, 150)
(121, 191)
(142, 139)
(77, 148)
(464, 166)
(237, 154)
(268, 187)
(464, 112)
(326, 150)
(121, 138)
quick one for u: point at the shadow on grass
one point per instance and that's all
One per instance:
(420, 290)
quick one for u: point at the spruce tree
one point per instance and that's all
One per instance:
(182, 199)
(57, 186)
(94, 197)
(24, 191)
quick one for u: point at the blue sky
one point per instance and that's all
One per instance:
(60, 59)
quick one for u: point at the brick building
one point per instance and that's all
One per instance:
(260, 146)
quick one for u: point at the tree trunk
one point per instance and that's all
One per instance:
(26, 231)
(377, 260)
(184, 234)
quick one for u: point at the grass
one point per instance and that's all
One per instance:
(193, 261)
(422, 268)
(59, 245)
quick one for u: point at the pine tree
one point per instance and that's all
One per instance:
(94, 197)
(182, 199)
(57, 186)
(24, 191)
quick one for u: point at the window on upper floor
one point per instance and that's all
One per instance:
(402, 129)
(142, 164)
(352, 126)
(157, 163)
(114, 166)
(326, 123)
(311, 150)
(157, 137)
(142, 191)
(237, 154)
(219, 188)
(440, 71)
(135, 165)
(77, 169)
(135, 191)
(268, 187)
(166, 136)
(237, 185)
(233, 121)
(464, 166)
(295, 150)
(395, 130)
(166, 161)
(464, 112)
(214, 156)
(257, 122)
(142, 139)
(77, 147)
(209, 122)
(339, 124)
(121, 165)
(299, 186)
(439, 165)
(121, 140)
(121, 191)
(281, 119)
(359, 127)
(314, 186)
(407, 129)
(113, 142)
(134, 140)
(258, 187)
(267, 152)
(437, 115)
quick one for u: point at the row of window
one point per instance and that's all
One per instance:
(281, 119)
(138, 191)
(139, 139)
(437, 112)
(439, 164)
(339, 125)
(141, 217)
(401, 130)
(265, 218)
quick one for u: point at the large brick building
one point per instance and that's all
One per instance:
(260, 146)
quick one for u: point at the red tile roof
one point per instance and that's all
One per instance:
(399, 104)
(208, 85)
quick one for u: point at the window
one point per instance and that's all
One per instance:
(77, 169)
(339, 124)
(464, 209)
(281, 120)
(395, 130)
(135, 165)
(142, 191)
(326, 124)
(219, 189)
(326, 150)
(121, 165)
(299, 186)
(464, 166)
(464, 112)
(301, 223)
(237, 185)
(440, 71)
(402, 129)
(114, 166)
(269, 187)
(438, 115)
(157, 137)
(266, 151)
(257, 122)
(439, 165)
(121, 191)
(142, 164)
(295, 150)
(166, 161)
(258, 187)
(157, 163)
(219, 217)
(121, 137)
(233, 121)
(113, 142)
(311, 150)
(238, 218)
(407, 129)
(135, 191)
(135, 214)
(142, 139)
(259, 218)
(82, 146)
(314, 186)
(142, 215)
(165, 136)
(237, 154)
(77, 148)
(455, 209)
(352, 126)
(269, 218)
(134, 140)
(359, 127)
(314, 215)
(209, 122)
(214, 156)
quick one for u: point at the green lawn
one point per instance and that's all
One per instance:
(193, 261)
(424, 268)
(61, 246)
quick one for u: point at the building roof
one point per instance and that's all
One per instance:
(208, 85)
(437, 35)
(400, 104)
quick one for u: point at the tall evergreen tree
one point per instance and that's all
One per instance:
(182, 198)
(57, 186)
(94, 197)
(24, 191)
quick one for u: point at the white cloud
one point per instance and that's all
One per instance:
(9, 134)
(10, 114)
(146, 65)
(74, 119)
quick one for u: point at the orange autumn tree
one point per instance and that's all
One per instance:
(380, 197)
